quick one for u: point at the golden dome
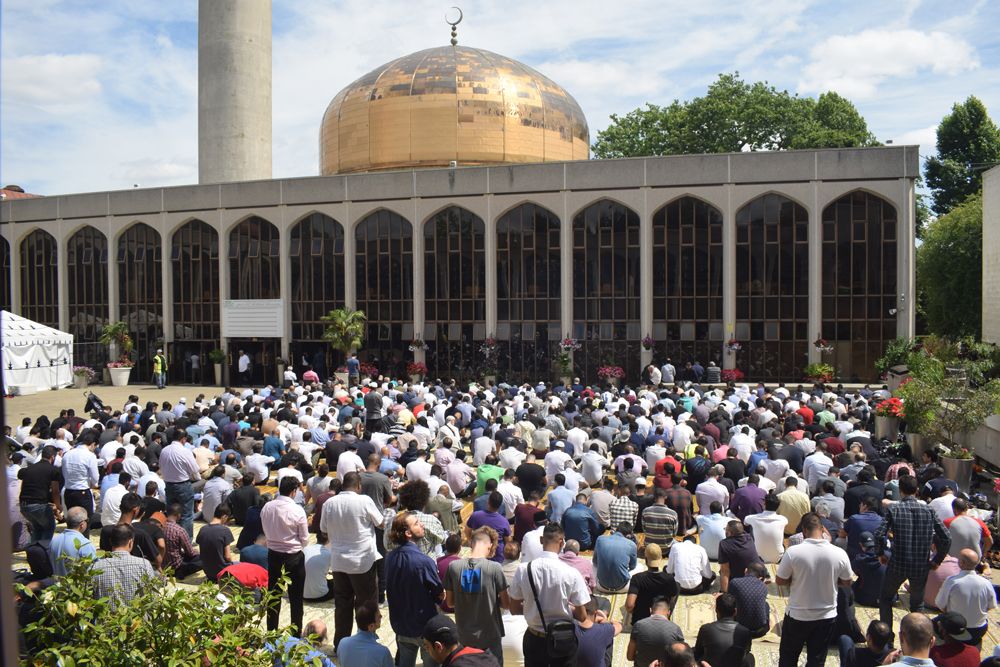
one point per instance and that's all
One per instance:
(450, 103)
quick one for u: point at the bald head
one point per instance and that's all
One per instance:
(572, 546)
(968, 559)
(316, 627)
(916, 634)
(75, 517)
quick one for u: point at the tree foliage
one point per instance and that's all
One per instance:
(345, 329)
(734, 116)
(949, 271)
(968, 142)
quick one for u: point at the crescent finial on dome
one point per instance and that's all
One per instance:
(454, 25)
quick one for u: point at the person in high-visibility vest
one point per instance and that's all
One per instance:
(160, 369)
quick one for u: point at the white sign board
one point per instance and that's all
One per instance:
(252, 318)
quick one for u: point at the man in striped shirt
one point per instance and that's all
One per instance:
(659, 521)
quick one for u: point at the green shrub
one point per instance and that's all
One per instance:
(895, 354)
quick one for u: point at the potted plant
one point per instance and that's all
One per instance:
(417, 344)
(116, 335)
(416, 370)
(921, 399)
(961, 411)
(732, 375)
(345, 332)
(567, 346)
(647, 342)
(822, 345)
(490, 350)
(894, 361)
(217, 357)
(819, 373)
(83, 376)
(368, 370)
(887, 416)
(733, 345)
(611, 374)
(957, 463)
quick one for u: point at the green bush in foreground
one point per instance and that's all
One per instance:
(164, 625)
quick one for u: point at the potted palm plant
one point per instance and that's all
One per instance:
(117, 337)
(345, 332)
(217, 357)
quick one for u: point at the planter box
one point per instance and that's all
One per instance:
(895, 377)
(886, 427)
(81, 381)
(959, 470)
(218, 374)
(119, 376)
(918, 445)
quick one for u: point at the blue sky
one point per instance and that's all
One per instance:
(98, 96)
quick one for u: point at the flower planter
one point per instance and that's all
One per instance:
(218, 374)
(919, 444)
(895, 377)
(959, 470)
(886, 427)
(81, 381)
(119, 376)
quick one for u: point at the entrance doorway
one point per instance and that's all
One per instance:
(189, 363)
(263, 353)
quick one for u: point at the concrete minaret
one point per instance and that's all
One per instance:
(234, 90)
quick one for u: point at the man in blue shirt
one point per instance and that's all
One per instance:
(71, 543)
(580, 523)
(274, 447)
(865, 521)
(559, 499)
(362, 649)
(615, 556)
(869, 570)
(412, 589)
(353, 370)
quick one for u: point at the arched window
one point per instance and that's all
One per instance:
(384, 281)
(140, 293)
(687, 282)
(87, 264)
(772, 288)
(254, 271)
(317, 252)
(5, 295)
(529, 292)
(194, 257)
(455, 291)
(39, 278)
(606, 289)
(859, 283)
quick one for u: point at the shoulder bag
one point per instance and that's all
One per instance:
(560, 636)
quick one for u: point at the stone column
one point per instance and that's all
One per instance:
(566, 270)
(350, 264)
(646, 277)
(62, 282)
(815, 264)
(728, 277)
(223, 294)
(906, 303)
(491, 269)
(418, 284)
(166, 278)
(285, 286)
(15, 271)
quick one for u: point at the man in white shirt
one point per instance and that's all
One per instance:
(243, 366)
(688, 562)
(812, 570)
(349, 461)
(350, 520)
(512, 494)
(592, 465)
(419, 469)
(318, 586)
(711, 490)
(555, 460)
(743, 443)
(111, 510)
(481, 448)
(511, 457)
(968, 593)
(768, 530)
(257, 464)
(815, 466)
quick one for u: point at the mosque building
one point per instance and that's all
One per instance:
(457, 202)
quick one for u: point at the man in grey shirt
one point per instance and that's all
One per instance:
(651, 634)
(967, 532)
(477, 589)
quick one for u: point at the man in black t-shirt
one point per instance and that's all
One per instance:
(530, 477)
(213, 543)
(40, 484)
(243, 498)
(143, 544)
(653, 583)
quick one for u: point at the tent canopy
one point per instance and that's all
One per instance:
(34, 355)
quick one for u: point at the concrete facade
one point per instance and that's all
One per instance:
(991, 255)
(814, 179)
(234, 90)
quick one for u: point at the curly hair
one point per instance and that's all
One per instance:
(414, 495)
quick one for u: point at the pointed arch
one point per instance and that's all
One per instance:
(194, 275)
(87, 283)
(772, 287)
(39, 254)
(139, 254)
(254, 259)
(687, 281)
(606, 278)
(776, 193)
(859, 290)
(454, 290)
(6, 298)
(383, 268)
(316, 249)
(604, 199)
(529, 290)
(522, 203)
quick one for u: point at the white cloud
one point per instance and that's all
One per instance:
(57, 83)
(925, 137)
(855, 65)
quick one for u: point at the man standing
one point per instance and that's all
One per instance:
(243, 368)
(349, 519)
(476, 589)
(812, 570)
(412, 589)
(80, 476)
(287, 531)
(353, 370)
(561, 596)
(40, 483)
(160, 369)
(179, 469)
(914, 527)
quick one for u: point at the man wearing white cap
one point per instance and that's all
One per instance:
(160, 369)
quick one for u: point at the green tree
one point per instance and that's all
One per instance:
(949, 270)
(734, 116)
(345, 329)
(968, 143)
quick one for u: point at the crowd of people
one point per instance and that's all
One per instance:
(522, 512)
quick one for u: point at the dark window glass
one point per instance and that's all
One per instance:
(195, 274)
(5, 295)
(140, 294)
(606, 288)
(317, 245)
(384, 284)
(687, 279)
(859, 261)
(772, 273)
(87, 282)
(254, 272)
(39, 278)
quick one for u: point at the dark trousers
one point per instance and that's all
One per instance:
(187, 568)
(41, 522)
(706, 583)
(82, 498)
(813, 635)
(536, 653)
(890, 586)
(349, 592)
(183, 493)
(294, 565)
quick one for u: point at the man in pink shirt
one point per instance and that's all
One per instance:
(287, 532)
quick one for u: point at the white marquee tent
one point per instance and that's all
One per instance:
(35, 356)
